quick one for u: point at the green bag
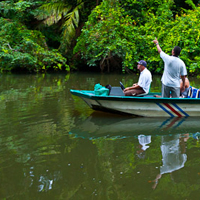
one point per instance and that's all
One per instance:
(100, 90)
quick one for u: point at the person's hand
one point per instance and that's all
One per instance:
(126, 89)
(182, 89)
(155, 41)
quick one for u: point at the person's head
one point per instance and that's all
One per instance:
(141, 65)
(176, 51)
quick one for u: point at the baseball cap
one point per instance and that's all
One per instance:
(142, 62)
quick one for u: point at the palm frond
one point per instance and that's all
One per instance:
(69, 27)
(53, 12)
(56, 10)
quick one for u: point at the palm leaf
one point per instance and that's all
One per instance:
(53, 12)
(70, 25)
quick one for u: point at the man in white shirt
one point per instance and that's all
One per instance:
(144, 140)
(173, 155)
(174, 68)
(144, 81)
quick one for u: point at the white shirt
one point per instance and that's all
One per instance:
(173, 68)
(144, 140)
(173, 159)
(145, 80)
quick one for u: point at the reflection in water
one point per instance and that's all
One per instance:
(53, 146)
(45, 182)
(173, 154)
(171, 134)
(96, 126)
(143, 141)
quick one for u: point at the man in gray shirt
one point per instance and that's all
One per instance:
(174, 68)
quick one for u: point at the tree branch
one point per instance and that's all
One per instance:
(11, 47)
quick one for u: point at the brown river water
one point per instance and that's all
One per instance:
(54, 147)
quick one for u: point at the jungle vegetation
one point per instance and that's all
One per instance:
(102, 35)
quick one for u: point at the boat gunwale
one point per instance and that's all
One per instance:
(89, 94)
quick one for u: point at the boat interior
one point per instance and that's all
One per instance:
(117, 91)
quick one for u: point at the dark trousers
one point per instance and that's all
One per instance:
(134, 92)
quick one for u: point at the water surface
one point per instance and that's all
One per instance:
(53, 146)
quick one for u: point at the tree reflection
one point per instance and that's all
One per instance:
(39, 159)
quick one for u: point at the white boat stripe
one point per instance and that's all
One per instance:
(176, 109)
(166, 109)
(171, 111)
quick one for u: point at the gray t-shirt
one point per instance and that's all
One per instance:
(172, 157)
(174, 68)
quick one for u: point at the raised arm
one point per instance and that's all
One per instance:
(157, 45)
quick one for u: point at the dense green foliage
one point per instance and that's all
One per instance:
(64, 12)
(40, 35)
(21, 48)
(124, 30)
(187, 36)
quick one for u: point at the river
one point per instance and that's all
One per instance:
(54, 147)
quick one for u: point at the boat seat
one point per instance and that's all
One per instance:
(116, 91)
(193, 92)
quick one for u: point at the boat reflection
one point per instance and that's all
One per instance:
(157, 147)
(96, 126)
